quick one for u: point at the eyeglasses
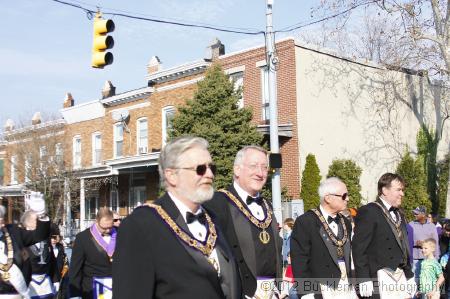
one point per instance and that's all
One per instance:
(254, 167)
(116, 220)
(343, 196)
(201, 169)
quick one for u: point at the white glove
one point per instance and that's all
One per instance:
(56, 285)
(411, 286)
(366, 289)
(35, 201)
(308, 296)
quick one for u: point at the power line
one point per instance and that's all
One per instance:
(157, 20)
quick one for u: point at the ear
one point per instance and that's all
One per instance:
(171, 176)
(237, 170)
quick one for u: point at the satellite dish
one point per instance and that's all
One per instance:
(120, 115)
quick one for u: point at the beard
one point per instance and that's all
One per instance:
(201, 196)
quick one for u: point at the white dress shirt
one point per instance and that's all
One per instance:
(333, 225)
(388, 206)
(254, 208)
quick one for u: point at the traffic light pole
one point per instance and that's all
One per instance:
(272, 64)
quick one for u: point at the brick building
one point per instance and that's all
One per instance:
(112, 144)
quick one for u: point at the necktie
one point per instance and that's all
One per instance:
(331, 219)
(393, 209)
(258, 200)
(201, 217)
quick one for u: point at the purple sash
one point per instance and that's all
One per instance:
(108, 247)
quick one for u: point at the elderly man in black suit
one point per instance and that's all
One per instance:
(90, 271)
(380, 244)
(249, 223)
(173, 248)
(320, 246)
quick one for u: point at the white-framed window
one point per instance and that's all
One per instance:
(118, 140)
(114, 200)
(238, 83)
(138, 197)
(27, 168)
(91, 207)
(76, 152)
(265, 115)
(14, 170)
(96, 148)
(168, 114)
(59, 153)
(142, 135)
(42, 159)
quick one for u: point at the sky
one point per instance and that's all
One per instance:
(45, 46)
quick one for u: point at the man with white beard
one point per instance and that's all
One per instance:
(172, 248)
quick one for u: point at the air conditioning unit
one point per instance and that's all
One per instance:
(142, 150)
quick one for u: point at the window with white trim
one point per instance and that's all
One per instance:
(76, 152)
(114, 200)
(265, 115)
(238, 83)
(14, 170)
(42, 159)
(168, 113)
(27, 168)
(91, 207)
(96, 149)
(142, 136)
(59, 153)
(118, 140)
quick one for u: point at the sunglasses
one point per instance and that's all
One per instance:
(116, 220)
(201, 169)
(343, 196)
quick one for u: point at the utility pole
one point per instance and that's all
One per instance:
(272, 64)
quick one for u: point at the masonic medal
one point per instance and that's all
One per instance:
(264, 237)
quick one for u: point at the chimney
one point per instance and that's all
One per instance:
(154, 65)
(36, 119)
(214, 50)
(68, 101)
(9, 125)
(108, 90)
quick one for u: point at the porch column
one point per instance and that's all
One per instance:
(82, 206)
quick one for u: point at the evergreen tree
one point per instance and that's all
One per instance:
(443, 173)
(415, 191)
(310, 183)
(213, 114)
(349, 172)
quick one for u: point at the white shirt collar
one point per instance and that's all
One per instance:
(241, 192)
(386, 204)
(324, 213)
(182, 207)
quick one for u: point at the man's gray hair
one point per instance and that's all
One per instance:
(169, 157)
(328, 186)
(241, 153)
(26, 218)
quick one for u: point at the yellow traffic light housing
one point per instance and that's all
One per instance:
(102, 42)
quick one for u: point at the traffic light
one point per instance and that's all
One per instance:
(102, 42)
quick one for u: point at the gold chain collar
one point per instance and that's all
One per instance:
(10, 254)
(397, 224)
(338, 243)
(261, 224)
(212, 236)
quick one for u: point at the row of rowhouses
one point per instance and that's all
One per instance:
(328, 105)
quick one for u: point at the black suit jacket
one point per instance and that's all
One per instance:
(150, 261)
(48, 257)
(22, 238)
(60, 261)
(375, 245)
(88, 260)
(314, 257)
(237, 230)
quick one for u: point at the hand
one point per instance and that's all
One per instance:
(308, 296)
(35, 201)
(411, 287)
(366, 288)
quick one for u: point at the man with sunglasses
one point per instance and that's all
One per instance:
(90, 271)
(320, 246)
(249, 224)
(380, 244)
(173, 248)
(116, 220)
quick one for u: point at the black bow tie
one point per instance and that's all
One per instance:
(201, 217)
(258, 200)
(393, 209)
(331, 219)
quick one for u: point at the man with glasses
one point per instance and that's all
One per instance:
(90, 271)
(116, 220)
(380, 244)
(173, 248)
(320, 246)
(249, 224)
